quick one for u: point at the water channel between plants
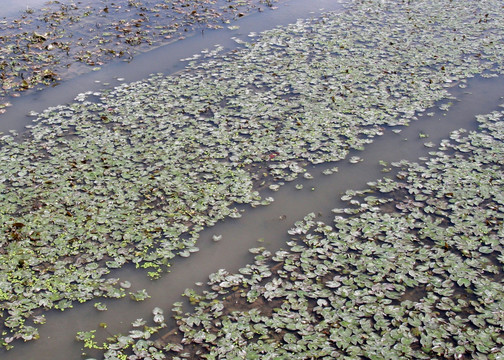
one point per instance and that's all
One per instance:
(262, 226)
(59, 332)
(165, 59)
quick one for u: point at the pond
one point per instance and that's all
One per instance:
(266, 226)
(141, 66)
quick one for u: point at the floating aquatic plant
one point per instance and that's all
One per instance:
(412, 283)
(59, 41)
(133, 175)
(139, 295)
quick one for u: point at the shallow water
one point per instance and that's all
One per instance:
(13, 7)
(57, 336)
(165, 59)
(268, 223)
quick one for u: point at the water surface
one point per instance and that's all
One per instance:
(165, 59)
(264, 226)
(270, 224)
(11, 8)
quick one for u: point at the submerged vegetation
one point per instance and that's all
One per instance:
(61, 40)
(412, 268)
(134, 174)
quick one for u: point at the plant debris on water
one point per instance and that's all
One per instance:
(133, 175)
(44, 46)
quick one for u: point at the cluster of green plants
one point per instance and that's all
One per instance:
(411, 269)
(132, 175)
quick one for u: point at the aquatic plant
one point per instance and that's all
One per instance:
(416, 272)
(44, 46)
(133, 175)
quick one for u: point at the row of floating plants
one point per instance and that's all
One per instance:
(411, 269)
(132, 175)
(43, 46)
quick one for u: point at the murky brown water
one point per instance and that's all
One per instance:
(165, 60)
(57, 337)
(268, 223)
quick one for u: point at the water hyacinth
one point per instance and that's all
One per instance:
(413, 283)
(132, 175)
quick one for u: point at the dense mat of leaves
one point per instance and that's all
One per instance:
(412, 268)
(132, 175)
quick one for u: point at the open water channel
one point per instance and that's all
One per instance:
(265, 226)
